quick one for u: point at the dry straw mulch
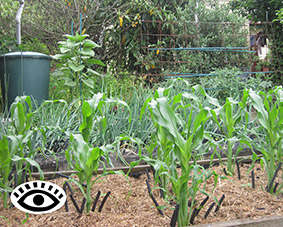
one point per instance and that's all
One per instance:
(241, 202)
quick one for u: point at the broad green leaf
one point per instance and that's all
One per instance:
(95, 61)
(201, 117)
(34, 163)
(142, 111)
(27, 136)
(259, 106)
(80, 150)
(273, 116)
(57, 56)
(87, 52)
(160, 92)
(88, 82)
(266, 104)
(212, 100)
(94, 155)
(188, 147)
(93, 72)
(70, 37)
(199, 89)
(169, 120)
(198, 136)
(177, 99)
(18, 116)
(87, 123)
(69, 82)
(80, 38)
(62, 43)
(74, 67)
(90, 43)
(193, 97)
(63, 50)
(16, 158)
(228, 114)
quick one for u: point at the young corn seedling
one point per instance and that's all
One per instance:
(86, 162)
(15, 146)
(232, 120)
(269, 107)
(5, 170)
(81, 150)
(178, 138)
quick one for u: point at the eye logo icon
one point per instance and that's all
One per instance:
(38, 197)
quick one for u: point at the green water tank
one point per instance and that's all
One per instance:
(24, 73)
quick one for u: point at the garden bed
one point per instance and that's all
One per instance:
(241, 202)
(59, 163)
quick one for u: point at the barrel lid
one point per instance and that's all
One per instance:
(25, 54)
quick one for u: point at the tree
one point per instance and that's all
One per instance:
(260, 10)
(114, 24)
(8, 9)
(279, 13)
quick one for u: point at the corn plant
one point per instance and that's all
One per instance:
(81, 150)
(5, 170)
(178, 138)
(269, 107)
(16, 147)
(100, 106)
(232, 121)
(86, 162)
(86, 158)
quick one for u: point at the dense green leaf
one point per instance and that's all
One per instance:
(74, 67)
(90, 43)
(95, 61)
(87, 51)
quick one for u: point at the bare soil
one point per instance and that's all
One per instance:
(241, 202)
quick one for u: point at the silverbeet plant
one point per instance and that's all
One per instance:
(178, 139)
(269, 107)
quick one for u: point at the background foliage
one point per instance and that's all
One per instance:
(116, 26)
(259, 10)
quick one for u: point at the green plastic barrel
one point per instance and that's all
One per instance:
(24, 73)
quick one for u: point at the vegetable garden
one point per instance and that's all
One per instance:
(136, 145)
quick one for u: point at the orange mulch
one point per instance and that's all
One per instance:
(241, 202)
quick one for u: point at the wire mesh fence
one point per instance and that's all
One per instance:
(196, 49)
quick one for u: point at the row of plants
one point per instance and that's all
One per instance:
(180, 124)
(167, 128)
